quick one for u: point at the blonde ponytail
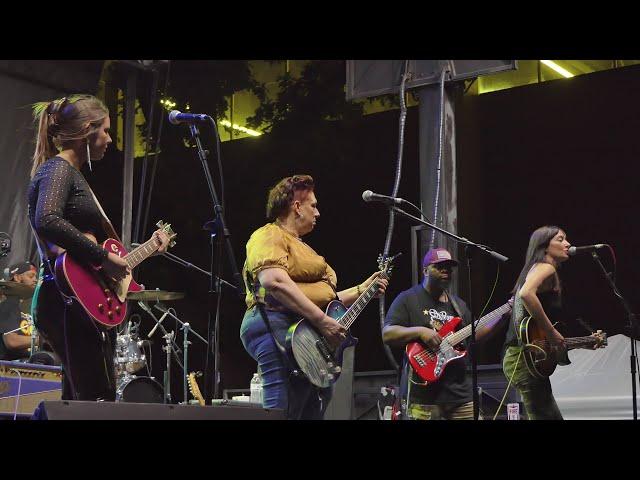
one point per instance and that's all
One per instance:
(45, 147)
(64, 120)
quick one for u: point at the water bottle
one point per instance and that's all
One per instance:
(255, 388)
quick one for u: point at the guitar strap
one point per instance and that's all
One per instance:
(263, 313)
(106, 223)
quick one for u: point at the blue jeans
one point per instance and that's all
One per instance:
(294, 394)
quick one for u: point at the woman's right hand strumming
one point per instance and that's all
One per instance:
(115, 267)
(555, 339)
(332, 331)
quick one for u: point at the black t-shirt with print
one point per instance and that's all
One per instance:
(10, 319)
(416, 308)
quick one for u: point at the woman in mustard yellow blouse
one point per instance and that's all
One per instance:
(291, 280)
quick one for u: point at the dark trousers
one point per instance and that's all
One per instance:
(85, 347)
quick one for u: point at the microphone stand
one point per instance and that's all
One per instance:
(468, 250)
(218, 229)
(170, 347)
(186, 328)
(632, 319)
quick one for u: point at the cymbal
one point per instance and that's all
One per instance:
(15, 289)
(157, 295)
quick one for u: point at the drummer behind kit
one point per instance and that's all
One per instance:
(23, 385)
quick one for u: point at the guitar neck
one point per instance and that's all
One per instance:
(465, 332)
(363, 300)
(580, 342)
(141, 253)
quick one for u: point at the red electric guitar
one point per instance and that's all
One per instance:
(104, 300)
(430, 363)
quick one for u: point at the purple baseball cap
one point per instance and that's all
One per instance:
(438, 255)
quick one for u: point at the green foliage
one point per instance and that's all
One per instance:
(316, 96)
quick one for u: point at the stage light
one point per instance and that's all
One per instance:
(239, 128)
(554, 66)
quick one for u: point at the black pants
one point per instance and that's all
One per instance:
(85, 347)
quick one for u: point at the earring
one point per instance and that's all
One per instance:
(89, 156)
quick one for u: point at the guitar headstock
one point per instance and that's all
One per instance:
(601, 339)
(169, 231)
(385, 263)
(194, 389)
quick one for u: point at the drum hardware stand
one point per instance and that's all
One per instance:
(186, 328)
(171, 347)
(180, 261)
(185, 347)
(167, 374)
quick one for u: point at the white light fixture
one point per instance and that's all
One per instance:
(554, 66)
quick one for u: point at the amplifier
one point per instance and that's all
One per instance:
(24, 385)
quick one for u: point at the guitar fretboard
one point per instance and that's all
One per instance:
(363, 300)
(139, 254)
(465, 332)
(574, 342)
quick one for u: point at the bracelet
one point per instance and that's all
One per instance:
(358, 289)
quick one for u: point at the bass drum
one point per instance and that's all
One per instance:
(140, 390)
(44, 357)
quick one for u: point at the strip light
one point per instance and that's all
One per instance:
(237, 127)
(554, 66)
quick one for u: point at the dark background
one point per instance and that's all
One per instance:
(561, 152)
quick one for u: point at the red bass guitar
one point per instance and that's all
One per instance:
(104, 300)
(429, 363)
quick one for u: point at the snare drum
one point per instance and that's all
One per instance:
(139, 390)
(129, 356)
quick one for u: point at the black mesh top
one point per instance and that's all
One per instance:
(61, 207)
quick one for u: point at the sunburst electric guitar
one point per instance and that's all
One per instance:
(105, 300)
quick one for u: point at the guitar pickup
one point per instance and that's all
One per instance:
(324, 351)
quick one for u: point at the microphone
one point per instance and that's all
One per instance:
(369, 196)
(176, 117)
(587, 248)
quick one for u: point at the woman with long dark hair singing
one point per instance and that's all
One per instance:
(537, 294)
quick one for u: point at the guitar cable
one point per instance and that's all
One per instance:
(508, 385)
(15, 410)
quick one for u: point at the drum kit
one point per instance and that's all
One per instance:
(130, 357)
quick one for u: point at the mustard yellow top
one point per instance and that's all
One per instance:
(271, 246)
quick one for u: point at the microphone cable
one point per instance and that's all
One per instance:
(396, 186)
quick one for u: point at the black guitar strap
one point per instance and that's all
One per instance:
(263, 313)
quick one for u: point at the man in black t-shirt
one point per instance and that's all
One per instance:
(418, 314)
(13, 312)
